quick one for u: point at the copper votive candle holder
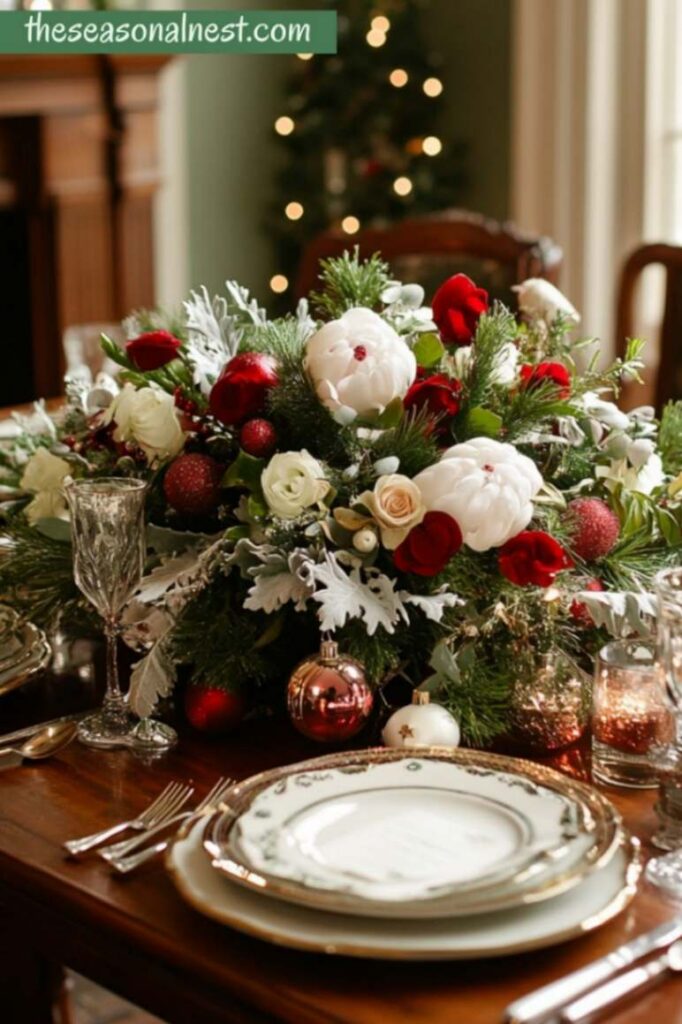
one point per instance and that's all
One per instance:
(631, 717)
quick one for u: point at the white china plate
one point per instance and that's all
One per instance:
(602, 896)
(32, 658)
(592, 825)
(408, 829)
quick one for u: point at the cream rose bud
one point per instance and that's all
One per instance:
(148, 418)
(541, 300)
(396, 506)
(293, 482)
(358, 364)
(44, 475)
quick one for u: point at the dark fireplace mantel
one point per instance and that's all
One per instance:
(78, 171)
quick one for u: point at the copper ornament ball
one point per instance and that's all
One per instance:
(328, 696)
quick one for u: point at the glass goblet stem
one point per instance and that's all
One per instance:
(114, 707)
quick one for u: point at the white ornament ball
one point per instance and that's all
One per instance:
(358, 364)
(486, 486)
(421, 725)
(365, 540)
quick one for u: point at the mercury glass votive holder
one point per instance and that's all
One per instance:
(631, 715)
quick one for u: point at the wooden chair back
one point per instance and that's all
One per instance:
(668, 383)
(427, 250)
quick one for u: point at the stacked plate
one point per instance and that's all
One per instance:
(24, 650)
(474, 854)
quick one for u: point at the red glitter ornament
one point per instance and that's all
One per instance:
(328, 697)
(258, 438)
(213, 709)
(192, 484)
(594, 528)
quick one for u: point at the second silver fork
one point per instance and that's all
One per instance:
(122, 856)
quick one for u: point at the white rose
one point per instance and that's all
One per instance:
(44, 474)
(486, 486)
(358, 364)
(540, 300)
(148, 418)
(293, 482)
(396, 505)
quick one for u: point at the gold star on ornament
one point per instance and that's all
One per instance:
(405, 731)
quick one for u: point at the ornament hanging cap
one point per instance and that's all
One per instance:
(421, 697)
(329, 651)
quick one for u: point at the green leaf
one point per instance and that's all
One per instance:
(483, 423)
(55, 529)
(114, 352)
(256, 508)
(391, 416)
(429, 349)
(245, 471)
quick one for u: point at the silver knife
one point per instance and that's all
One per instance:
(541, 1004)
(31, 730)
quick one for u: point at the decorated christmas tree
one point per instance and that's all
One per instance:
(361, 132)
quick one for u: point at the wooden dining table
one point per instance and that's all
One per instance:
(137, 937)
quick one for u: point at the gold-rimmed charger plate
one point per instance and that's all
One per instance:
(599, 818)
(601, 897)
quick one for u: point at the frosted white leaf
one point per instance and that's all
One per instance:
(242, 302)
(432, 605)
(165, 541)
(269, 593)
(304, 322)
(213, 337)
(621, 612)
(344, 596)
(166, 575)
(143, 626)
(151, 678)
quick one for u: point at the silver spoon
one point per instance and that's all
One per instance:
(623, 985)
(46, 742)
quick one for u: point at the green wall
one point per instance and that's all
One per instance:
(232, 102)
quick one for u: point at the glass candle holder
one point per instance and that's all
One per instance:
(631, 714)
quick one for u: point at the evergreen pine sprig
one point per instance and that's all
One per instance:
(495, 330)
(670, 438)
(348, 281)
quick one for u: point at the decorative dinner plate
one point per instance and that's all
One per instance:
(352, 833)
(32, 656)
(602, 896)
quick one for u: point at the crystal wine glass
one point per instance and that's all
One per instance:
(108, 536)
(666, 871)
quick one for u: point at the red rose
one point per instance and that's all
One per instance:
(532, 557)
(456, 307)
(438, 394)
(240, 390)
(556, 372)
(152, 350)
(429, 546)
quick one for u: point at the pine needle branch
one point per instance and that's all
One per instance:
(348, 281)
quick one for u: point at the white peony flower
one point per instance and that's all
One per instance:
(148, 418)
(44, 474)
(358, 364)
(486, 486)
(541, 300)
(396, 505)
(293, 482)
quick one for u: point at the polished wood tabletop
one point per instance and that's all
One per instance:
(138, 938)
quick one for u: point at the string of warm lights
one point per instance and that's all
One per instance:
(431, 145)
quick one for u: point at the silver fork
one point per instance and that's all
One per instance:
(126, 862)
(167, 803)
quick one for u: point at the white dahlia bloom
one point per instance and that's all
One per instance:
(358, 364)
(486, 486)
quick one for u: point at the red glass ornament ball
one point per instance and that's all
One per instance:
(328, 696)
(212, 709)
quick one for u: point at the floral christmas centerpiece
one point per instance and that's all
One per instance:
(450, 491)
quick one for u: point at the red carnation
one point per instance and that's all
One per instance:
(438, 394)
(532, 557)
(152, 350)
(240, 390)
(557, 373)
(457, 307)
(429, 546)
